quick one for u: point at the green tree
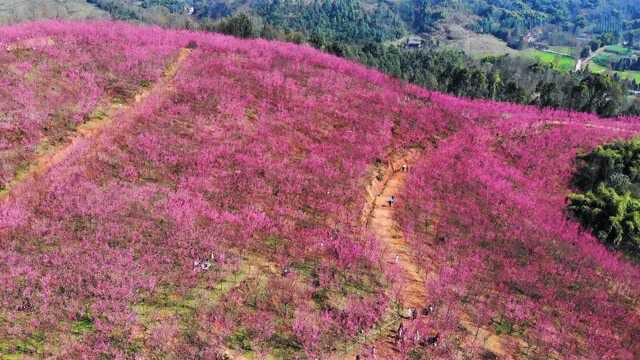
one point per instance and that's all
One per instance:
(614, 218)
(609, 177)
(514, 93)
(494, 84)
(547, 94)
(478, 84)
(585, 53)
(238, 25)
(603, 95)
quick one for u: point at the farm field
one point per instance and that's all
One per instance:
(563, 50)
(473, 44)
(606, 58)
(611, 55)
(619, 49)
(560, 62)
(194, 195)
(628, 75)
(568, 63)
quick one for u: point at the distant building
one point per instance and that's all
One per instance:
(529, 38)
(532, 36)
(414, 42)
(539, 45)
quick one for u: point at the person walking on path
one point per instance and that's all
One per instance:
(391, 200)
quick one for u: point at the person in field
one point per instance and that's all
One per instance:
(285, 271)
(400, 334)
(431, 340)
(414, 314)
(428, 310)
(391, 200)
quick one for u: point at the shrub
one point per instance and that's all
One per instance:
(239, 25)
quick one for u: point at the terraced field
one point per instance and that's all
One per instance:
(563, 63)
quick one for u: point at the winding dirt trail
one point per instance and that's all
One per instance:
(378, 219)
(588, 125)
(581, 64)
(50, 155)
(397, 252)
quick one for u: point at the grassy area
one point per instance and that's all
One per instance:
(473, 44)
(15, 348)
(606, 58)
(166, 303)
(630, 75)
(597, 68)
(567, 50)
(618, 50)
(560, 62)
(41, 345)
(12, 11)
(613, 54)
(627, 75)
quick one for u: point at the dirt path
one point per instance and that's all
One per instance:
(397, 252)
(49, 155)
(581, 64)
(588, 125)
(378, 219)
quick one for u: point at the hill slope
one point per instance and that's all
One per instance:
(224, 206)
(13, 11)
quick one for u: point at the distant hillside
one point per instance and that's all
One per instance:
(357, 21)
(509, 20)
(512, 20)
(12, 11)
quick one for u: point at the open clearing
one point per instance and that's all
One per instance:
(561, 62)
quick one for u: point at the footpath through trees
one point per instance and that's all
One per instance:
(93, 127)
